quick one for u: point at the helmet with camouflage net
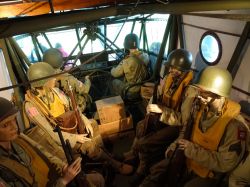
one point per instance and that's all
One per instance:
(39, 70)
(53, 57)
(131, 41)
(216, 80)
(180, 59)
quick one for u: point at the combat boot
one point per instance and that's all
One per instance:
(120, 167)
(140, 174)
(132, 154)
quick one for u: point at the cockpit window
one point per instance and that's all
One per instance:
(210, 48)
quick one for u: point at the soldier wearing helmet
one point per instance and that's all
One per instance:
(21, 163)
(152, 139)
(55, 58)
(133, 68)
(46, 106)
(217, 138)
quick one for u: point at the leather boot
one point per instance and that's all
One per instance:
(132, 153)
(120, 167)
(141, 172)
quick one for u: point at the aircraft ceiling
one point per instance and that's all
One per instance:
(13, 8)
(23, 8)
(24, 16)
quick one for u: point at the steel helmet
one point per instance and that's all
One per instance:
(53, 57)
(180, 59)
(7, 109)
(131, 41)
(39, 70)
(216, 80)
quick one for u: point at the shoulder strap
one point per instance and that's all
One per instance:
(16, 168)
(35, 101)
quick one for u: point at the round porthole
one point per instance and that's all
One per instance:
(210, 48)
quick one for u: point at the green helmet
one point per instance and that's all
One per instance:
(216, 80)
(180, 59)
(131, 41)
(54, 57)
(39, 70)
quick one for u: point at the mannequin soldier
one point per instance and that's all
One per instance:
(218, 137)
(151, 141)
(45, 106)
(20, 162)
(133, 68)
(55, 58)
(240, 175)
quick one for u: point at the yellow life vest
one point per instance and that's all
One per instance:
(211, 138)
(39, 166)
(57, 107)
(173, 100)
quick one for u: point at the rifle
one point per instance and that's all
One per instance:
(80, 123)
(177, 161)
(80, 180)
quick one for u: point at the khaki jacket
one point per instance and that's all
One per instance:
(133, 68)
(37, 117)
(37, 166)
(230, 149)
(80, 89)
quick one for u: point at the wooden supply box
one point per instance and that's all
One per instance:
(112, 128)
(110, 109)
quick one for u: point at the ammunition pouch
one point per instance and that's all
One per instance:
(67, 122)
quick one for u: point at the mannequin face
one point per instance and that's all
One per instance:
(8, 129)
(174, 72)
(51, 83)
(215, 101)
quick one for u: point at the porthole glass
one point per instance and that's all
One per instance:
(210, 48)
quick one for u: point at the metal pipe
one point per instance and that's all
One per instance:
(20, 53)
(34, 40)
(110, 46)
(234, 63)
(47, 39)
(80, 52)
(78, 37)
(162, 49)
(51, 6)
(73, 50)
(180, 31)
(111, 43)
(15, 60)
(173, 39)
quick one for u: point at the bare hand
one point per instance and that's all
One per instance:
(183, 144)
(154, 108)
(81, 138)
(70, 172)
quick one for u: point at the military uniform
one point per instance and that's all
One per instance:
(80, 89)
(151, 143)
(39, 114)
(218, 137)
(55, 58)
(240, 177)
(16, 168)
(153, 136)
(28, 168)
(202, 162)
(134, 70)
(46, 106)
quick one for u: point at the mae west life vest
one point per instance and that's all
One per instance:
(211, 138)
(172, 98)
